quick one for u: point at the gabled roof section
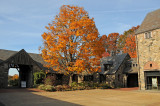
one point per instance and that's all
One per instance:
(6, 55)
(151, 22)
(116, 60)
(21, 57)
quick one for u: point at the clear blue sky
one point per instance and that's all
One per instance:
(23, 21)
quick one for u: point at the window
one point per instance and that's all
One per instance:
(150, 65)
(88, 78)
(147, 35)
(59, 76)
(119, 77)
(107, 67)
(133, 65)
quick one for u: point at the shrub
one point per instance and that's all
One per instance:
(74, 84)
(13, 82)
(67, 87)
(82, 84)
(96, 85)
(50, 80)
(86, 84)
(59, 87)
(90, 84)
(80, 88)
(41, 87)
(104, 86)
(36, 85)
(49, 88)
(46, 87)
(39, 77)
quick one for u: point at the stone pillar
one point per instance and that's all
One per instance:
(80, 78)
(142, 79)
(125, 81)
(1, 75)
(5, 75)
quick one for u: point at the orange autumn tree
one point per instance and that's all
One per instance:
(71, 44)
(122, 39)
(15, 76)
(130, 46)
(112, 41)
(127, 42)
(103, 39)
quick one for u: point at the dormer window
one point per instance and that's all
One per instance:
(133, 65)
(107, 67)
(147, 35)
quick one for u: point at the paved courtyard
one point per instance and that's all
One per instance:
(118, 97)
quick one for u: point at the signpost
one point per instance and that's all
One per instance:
(23, 84)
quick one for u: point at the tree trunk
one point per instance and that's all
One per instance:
(70, 80)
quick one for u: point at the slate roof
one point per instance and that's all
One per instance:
(5, 54)
(116, 60)
(151, 22)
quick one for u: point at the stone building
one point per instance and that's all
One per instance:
(148, 51)
(25, 63)
(117, 71)
(120, 71)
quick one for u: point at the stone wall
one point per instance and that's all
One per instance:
(148, 50)
(110, 80)
(4, 75)
(119, 79)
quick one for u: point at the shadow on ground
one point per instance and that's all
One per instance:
(25, 97)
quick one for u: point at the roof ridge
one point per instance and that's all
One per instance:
(18, 51)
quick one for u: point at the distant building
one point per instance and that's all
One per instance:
(148, 51)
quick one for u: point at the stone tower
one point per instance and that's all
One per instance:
(148, 51)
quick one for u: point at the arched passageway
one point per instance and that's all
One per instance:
(25, 63)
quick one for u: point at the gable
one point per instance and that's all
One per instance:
(22, 57)
(116, 60)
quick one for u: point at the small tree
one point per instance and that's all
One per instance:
(39, 77)
(71, 44)
(50, 80)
